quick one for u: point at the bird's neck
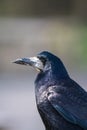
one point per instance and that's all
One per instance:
(49, 78)
(43, 78)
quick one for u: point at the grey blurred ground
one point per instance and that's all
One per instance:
(20, 37)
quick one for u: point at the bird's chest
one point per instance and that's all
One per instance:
(41, 96)
(47, 112)
(44, 107)
(42, 102)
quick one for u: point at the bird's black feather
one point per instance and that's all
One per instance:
(61, 102)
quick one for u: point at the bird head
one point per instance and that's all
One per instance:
(44, 61)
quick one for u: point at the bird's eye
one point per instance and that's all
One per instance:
(43, 60)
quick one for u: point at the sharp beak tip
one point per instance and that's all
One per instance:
(17, 61)
(13, 61)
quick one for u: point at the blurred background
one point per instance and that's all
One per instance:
(26, 28)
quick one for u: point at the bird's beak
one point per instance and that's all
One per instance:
(32, 61)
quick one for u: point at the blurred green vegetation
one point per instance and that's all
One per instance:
(77, 8)
(71, 42)
(84, 43)
(35, 7)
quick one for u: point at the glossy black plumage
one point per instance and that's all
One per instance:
(61, 102)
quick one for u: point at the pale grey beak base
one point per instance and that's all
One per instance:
(32, 61)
